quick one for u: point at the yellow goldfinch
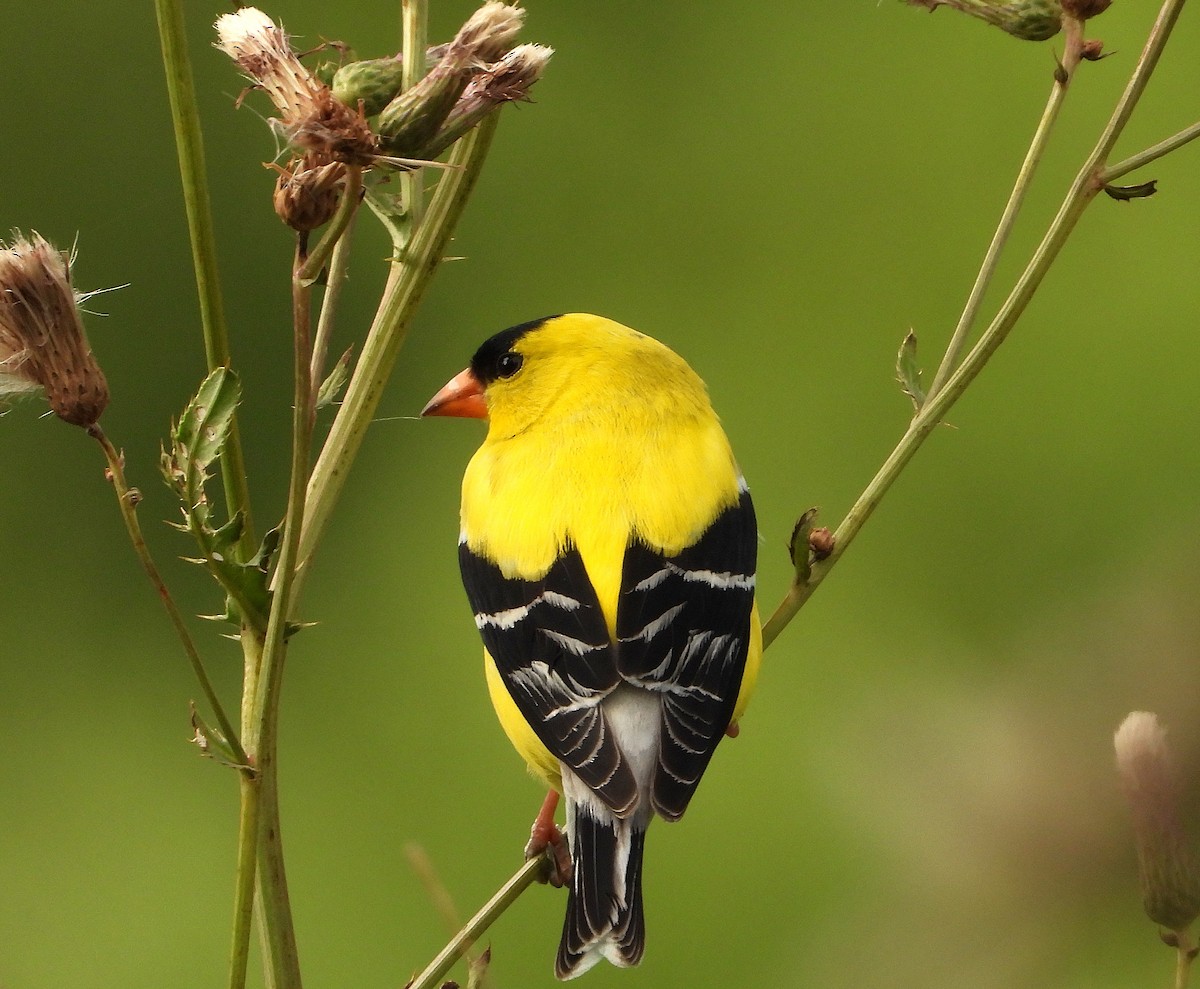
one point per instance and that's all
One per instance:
(608, 550)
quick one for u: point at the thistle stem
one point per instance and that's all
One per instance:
(1142, 158)
(408, 279)
(243, 885)
(339, 265)
(1185, 951)
(505, 897)
(273, 906)
(189, 144)
(1083, 190)
(343, 216)
(127, 499)
(414, 24)
(1037, 147)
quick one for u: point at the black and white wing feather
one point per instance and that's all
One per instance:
(683, 627)
(550, 643)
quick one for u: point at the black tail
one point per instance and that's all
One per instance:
(604, 906)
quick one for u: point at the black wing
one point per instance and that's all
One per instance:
(683, 624)
(550, 643)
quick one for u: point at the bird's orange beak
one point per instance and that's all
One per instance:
(462, 396)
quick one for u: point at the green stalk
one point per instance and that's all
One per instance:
(414, 25)
(281, 958)
(1037, 147)
(1083, 190)
(1153, 153)
(1185, 952)
(339, 223)
(408, 279)
(244, 878)
(534, 870)
(127, 499)
(189, 144)
(335, 280)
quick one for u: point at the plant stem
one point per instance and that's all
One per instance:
(1142, 158)
(1185, 951)
(281, 959)
(347, 208)
(408, 278)
(127, 499)
(339, 265)
(189, 144)
(1037, 147)
(414, 24)
(244, 877)
(1083, 190)
(506, 896)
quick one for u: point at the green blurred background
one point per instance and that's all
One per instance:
(922, 794)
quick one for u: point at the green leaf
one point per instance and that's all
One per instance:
(197, 440)
(331, 388)
(213, 744)
(248, 584)
(204, 426)
(798, 549)
(227, 537)
(392, 214)
(908, 373)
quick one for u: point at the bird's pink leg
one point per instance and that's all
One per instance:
(545, 835)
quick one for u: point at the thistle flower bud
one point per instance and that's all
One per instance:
(1167, 869)
(410, 121)
(307, 191)
(374, 82)
(505, 81)
(312, 119)
(1030, 20)
(42, 341)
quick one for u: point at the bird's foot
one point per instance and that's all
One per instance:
(546, 838)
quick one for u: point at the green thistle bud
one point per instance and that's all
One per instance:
(1030, 20)
(1166, 866)
(374, 81)
(408, 122)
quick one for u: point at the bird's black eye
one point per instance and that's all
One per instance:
(508, 364)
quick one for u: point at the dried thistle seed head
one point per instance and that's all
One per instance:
(1084, 9)
(307, 191)
(1166, 866)
(410, 122)
(311, 117)
(509, 78)
(504, 81)
(490, 31)
(1030, 20)
(42, 340)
